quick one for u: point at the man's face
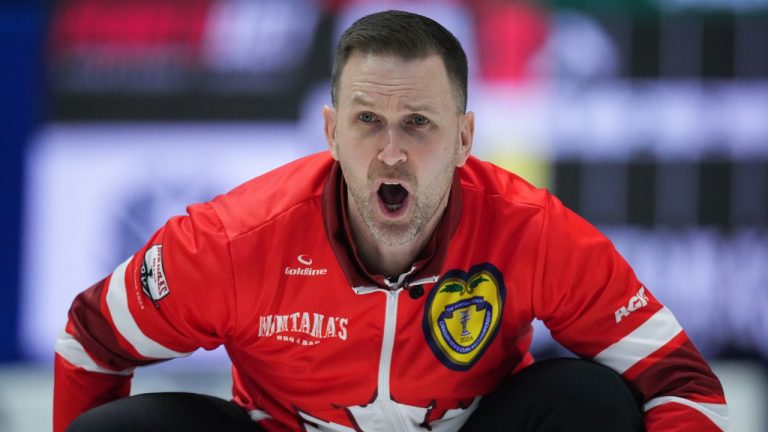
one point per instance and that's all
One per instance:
(398, 136)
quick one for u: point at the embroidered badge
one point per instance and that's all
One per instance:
(153, 280)
(462, 315)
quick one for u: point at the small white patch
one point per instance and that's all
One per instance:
(304, 259)
(153, 280)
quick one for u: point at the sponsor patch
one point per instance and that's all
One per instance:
(304, 269)
(637, 301)
(462, 315)
(303, 328)
(153, 281)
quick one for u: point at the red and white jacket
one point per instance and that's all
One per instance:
(268, 270)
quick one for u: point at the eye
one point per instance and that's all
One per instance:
(366, 117)
(419, 120)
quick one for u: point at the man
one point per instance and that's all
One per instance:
(388, 284)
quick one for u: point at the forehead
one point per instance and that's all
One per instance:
(369, 79)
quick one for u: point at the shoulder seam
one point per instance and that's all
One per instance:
(537, 285)
(268, 221)
(231, 271)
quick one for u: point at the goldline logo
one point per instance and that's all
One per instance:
(304, 269)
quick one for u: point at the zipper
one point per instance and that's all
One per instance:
(385, 360)
(391, 414)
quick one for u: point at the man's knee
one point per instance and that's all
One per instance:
(578, 387)
(163, 412)
(560, 394)
(117, 416)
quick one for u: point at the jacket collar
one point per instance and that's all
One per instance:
(429, 262)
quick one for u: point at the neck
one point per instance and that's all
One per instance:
(385, 259)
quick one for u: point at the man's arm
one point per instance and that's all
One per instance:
(172, 297)
(594, 305)
(80, 381)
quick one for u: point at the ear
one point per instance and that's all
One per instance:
(466, 137)
(329, 124)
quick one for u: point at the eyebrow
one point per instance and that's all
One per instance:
(425, 107)
(420, 108)
(360, 100)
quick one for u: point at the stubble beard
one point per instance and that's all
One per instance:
(426, 201)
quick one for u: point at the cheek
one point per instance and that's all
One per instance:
(355, 162)
(356, 156)
(440, 153)
(360, 152)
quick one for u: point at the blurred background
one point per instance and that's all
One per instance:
(648, 117)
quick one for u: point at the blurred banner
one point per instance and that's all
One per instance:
(192, 59)
(648, 119)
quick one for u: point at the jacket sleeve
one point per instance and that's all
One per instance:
(173, 296)
(592, 302)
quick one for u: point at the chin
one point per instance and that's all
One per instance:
(394, 234)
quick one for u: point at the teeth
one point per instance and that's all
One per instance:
(391, 183)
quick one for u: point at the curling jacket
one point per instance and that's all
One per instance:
(268, 270)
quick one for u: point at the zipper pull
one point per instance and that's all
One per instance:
(415, 292)
(415, 289)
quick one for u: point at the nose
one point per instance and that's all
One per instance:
(392, 153)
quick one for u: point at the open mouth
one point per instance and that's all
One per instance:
(393, 196)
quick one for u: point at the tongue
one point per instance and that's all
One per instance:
(392, 194)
